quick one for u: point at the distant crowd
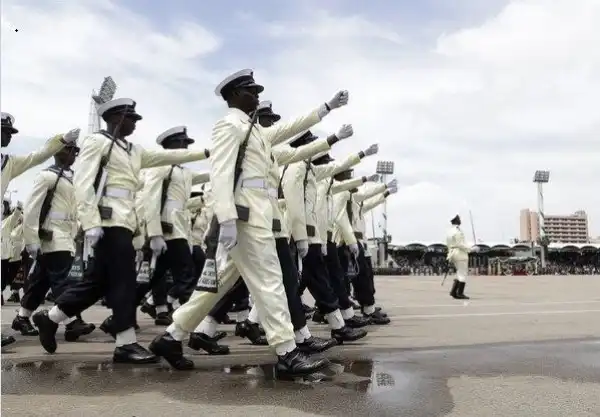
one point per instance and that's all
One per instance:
(436, 265)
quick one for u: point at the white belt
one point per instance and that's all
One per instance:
(173, 205)
(258, 183)
(115, 192)
(57, 215)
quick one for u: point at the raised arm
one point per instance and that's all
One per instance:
(347, 185)
(226, 140)
(285, 154)
(160, 157)
(282, 131)
(20, 164)
(371, 203)
(152, 195)
(333, 168)
(33, 208)
(88, 162)
(364, 192)
(293, 191)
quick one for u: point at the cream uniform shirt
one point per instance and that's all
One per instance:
(124, 165)
(228, 133)
(14, 165)
(8, 225)
(62, 217)
(285, 155)
(458, 249)
(301, 195)
(16, 240)
(178, 193)
(327, 187)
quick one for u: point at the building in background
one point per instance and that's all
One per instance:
(571, 228)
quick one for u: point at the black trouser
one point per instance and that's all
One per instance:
(112, 274)
(337, 276)
(178, 259)
(363, 285)
(316, 277)
(344, 258)
(6, 277)
(238, 293)
(51, 272)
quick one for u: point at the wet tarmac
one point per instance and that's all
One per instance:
(537, 356)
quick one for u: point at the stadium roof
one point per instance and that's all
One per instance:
(497, 246)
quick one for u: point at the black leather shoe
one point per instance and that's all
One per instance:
(319, 318)
(297, 363)
(316, 345)
(163, 319)
(78, 328)
(7, 340)
(251, 331)
(148, 309)
(164, 346)
(377, 318)
(107, 327)
(47, 329)
(133, 353)
(209, 345)
(356, 322)
(24, 326)
(346, 334)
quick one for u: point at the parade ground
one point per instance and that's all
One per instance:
(522, 346)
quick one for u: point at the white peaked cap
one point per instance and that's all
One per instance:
(177, 130)
(118, 102)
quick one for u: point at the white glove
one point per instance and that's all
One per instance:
(373, 178)
(302, 246)
(93, 235)
(158, 245)
(371, 150)
(392, 184)
(344, 132)
(228, 234)
(392, 190)
(339, 99)
(33, 250)
(324, 250)
(354, 249)
(71, 136)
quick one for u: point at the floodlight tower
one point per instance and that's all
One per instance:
(540, 178)
(384, 168)
(106, 93)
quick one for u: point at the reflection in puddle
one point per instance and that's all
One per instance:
(360, 376)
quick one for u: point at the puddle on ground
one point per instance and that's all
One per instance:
(361, 376)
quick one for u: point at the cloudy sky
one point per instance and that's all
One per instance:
(467, 97)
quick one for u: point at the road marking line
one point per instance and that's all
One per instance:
(505, 313)
(476, 304)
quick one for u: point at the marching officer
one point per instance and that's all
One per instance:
(49, 229)
(458, 254)
(244, 213)
(167, 190)
(300, 192)
(105, 187)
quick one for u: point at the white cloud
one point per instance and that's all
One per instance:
(467, 116)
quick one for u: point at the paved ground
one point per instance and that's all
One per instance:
(523, 346)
